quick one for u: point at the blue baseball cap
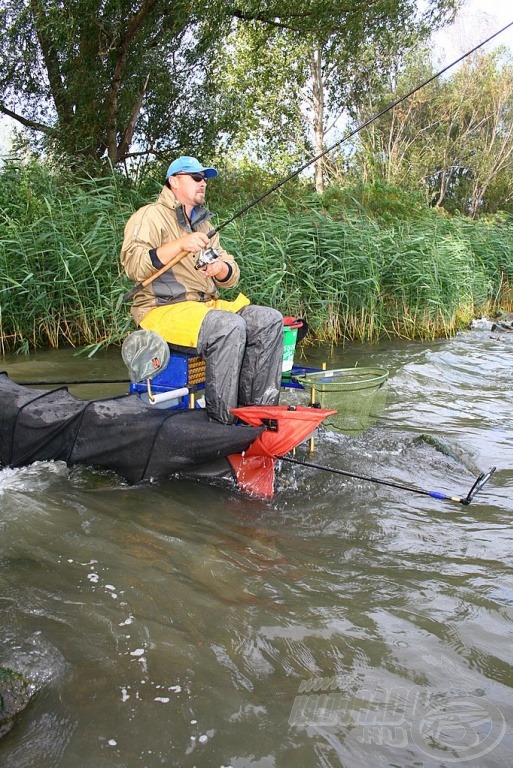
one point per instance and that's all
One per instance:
(185, 164)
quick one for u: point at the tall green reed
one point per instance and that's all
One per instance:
(353, 274)
(357, 278)
(59, 267)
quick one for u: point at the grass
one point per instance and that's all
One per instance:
(353, 272)
(357, 278)
(59, 266)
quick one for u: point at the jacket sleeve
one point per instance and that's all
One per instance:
(234, 277)
(141, 235)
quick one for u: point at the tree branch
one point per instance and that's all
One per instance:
(51, 62)
(279, 23)
(29, 123)
(133, 27)
(128, 133)
(242, 16)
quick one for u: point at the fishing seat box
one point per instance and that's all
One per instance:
(188, 370)
(183, 370)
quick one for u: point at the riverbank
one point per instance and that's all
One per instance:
(357, 266)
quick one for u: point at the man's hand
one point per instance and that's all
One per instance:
(194, 242)
(216, 268)
(191, 243)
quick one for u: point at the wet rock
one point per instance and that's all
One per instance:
(503, 322)
(482, 324)
(15, 694)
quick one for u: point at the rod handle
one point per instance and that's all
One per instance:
(137, 288)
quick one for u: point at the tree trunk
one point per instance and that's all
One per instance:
(318, 116)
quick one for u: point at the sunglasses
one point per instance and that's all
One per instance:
(196, 176)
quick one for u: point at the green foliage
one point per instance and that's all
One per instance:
(59, 259)
(104, 80)
(79, 73)
(452, 139)
(359, 263)
(293, 72)
(386, 202)
(247, 182)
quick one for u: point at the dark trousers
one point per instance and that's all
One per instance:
(243, 353)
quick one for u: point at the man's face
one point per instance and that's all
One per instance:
(188, 188)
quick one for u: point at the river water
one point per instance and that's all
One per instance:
(344, 623)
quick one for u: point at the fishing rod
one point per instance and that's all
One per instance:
(135, 290)
(128, 296)
(465, 500)
(76, 381)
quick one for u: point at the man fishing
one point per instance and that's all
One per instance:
(241, 343)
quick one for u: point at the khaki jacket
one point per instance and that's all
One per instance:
(152, 226)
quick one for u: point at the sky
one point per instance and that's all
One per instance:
(478, 20)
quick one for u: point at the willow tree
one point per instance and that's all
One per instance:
(107, 78)
(295, 75)
(95, 77)
(486, 125)
(454, 138)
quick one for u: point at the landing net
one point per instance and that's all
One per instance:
(357, 394)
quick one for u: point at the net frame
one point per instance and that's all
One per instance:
(358, 395)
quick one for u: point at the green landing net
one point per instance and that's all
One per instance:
(357, 394)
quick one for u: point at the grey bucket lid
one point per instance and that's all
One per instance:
(145, 354)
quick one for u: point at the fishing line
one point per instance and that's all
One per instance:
(139, 287)
(356, 130)
(465, 500)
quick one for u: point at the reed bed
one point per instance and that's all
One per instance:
(356, 278)
(351, 273)
(59, 267)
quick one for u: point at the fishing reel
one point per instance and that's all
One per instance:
(206, 256)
